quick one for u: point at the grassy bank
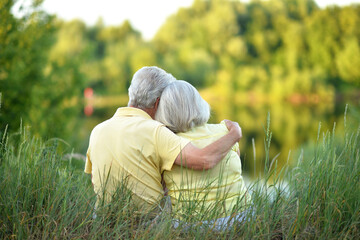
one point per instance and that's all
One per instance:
(44, 194)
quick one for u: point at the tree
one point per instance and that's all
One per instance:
(348, 61)
(23, 48)
(41, 88)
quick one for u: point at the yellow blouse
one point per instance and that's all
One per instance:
(220, 188)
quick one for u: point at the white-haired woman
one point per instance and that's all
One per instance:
(218, 191)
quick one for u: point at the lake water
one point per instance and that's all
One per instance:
(293, 126)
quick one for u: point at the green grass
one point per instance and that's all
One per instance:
(46, 196)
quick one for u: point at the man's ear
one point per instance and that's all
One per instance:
(156, 103)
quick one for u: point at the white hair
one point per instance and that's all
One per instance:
(181, 107)
(147, 85)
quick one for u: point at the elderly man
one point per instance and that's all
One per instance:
(132, 145)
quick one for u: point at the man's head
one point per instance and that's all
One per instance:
(147, 85)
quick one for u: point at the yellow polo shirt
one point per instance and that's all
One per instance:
(220, 188)
(132, 145)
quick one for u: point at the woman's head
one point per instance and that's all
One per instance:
(181, 107)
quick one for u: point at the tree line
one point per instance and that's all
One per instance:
(271, 50)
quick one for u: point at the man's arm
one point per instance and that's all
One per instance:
(207, 158)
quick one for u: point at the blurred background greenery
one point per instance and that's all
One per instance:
(299, 62)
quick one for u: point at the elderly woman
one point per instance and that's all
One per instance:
(218, 191)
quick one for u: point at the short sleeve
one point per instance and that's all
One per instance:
(88, 164)
(236, 147)
(169, 145)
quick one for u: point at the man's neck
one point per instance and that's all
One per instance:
(150, 111)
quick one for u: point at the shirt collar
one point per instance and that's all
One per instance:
(131, 111)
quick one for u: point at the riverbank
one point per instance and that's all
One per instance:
(44, 195)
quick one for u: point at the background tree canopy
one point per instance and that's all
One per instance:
(274, 49)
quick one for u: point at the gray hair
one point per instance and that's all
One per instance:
(181, 107)
(147, 85)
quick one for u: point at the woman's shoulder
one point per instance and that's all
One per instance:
(217, 127)
(207, 130)
(211, 128)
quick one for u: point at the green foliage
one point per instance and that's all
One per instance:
(261, 51)
(40, 191)
(348, 59)
(38, 89)
(113, 55)
(21, 62)
(326, 184)
(294, 35)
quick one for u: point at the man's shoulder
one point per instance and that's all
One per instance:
(140, 122)
(98, 129)
(101, 125)
(128, 124)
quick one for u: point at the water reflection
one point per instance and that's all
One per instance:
(291, 126)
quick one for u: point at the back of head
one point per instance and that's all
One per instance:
(181, 107)
(147, 85)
